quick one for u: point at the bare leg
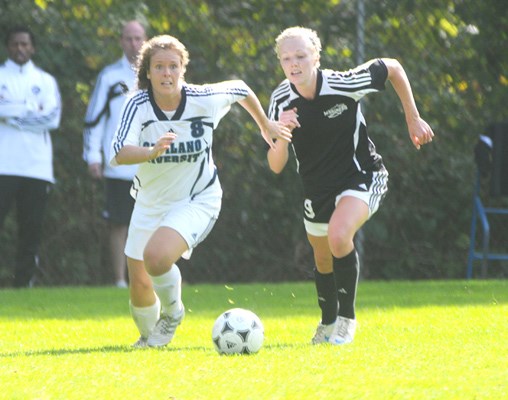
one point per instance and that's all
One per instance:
(349, 216)
(140, 287)
(144, 304)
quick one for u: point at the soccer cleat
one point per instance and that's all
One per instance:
(344, 333)
(141, 343)
(323, 333)
(165, 329)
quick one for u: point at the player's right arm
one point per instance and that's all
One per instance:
(125, 146)
(130, 154)
(279, 154)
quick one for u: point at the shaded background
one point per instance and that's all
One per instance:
(453, 51)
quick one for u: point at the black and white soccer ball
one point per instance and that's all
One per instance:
(238, 331)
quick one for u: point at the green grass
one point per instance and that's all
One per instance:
(416, 340)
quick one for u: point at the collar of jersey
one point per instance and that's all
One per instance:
(161, 116)
(318, 86)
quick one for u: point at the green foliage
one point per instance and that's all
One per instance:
(74, 343)
(454, 54)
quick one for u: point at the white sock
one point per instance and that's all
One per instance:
(145, 318)
(168, 287)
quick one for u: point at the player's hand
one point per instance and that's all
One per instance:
(162, 144)
(95, 170)
(276, 130)
(420, 132)
(290, 118)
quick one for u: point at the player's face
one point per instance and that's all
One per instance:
(20, 48)
(133, 37)
(298, 61)
(166, 73)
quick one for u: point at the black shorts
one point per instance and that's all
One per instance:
(370, 187)
(119, 202)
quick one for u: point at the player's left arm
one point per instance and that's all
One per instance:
(269, 129)
(420, 131)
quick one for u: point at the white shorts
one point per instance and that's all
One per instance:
(193, 219)
(373, 198)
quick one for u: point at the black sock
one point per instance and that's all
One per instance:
(346, 270)
(327, 297)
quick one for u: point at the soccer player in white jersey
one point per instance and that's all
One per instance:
(344, 179)
(167, 128)
(102, 117)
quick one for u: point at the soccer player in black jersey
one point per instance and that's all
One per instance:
(344, 179)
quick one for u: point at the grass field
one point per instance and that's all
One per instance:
(416, 340)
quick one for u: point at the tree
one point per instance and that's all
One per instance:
(453, 52)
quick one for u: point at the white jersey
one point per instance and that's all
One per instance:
(103, 114)
(30, 107)
(187, 168)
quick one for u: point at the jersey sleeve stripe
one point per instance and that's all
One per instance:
(279, 95)
(126, 120)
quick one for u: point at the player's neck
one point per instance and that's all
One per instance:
(308, 92)
(168, 103)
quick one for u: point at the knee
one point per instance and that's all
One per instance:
(340, 242)
(155, 262)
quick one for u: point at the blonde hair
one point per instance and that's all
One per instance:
(162, 42)
(299, 31)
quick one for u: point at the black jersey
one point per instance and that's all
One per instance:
(332, 144)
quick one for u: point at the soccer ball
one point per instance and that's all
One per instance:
(237, 331)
